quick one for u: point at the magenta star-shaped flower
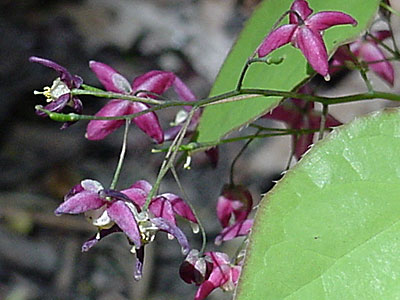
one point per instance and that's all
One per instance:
(369, 51)
(115, 211)
(156, 82)
(304, 32)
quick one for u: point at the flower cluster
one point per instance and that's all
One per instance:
(304, 31)
(122, 211)
(300, 114)
(368, 50)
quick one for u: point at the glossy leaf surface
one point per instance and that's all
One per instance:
(220, 119)
(330, 229)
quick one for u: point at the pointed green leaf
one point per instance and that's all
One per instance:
(218, 120)
(330, 229)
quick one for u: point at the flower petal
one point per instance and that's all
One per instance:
(91, 185)
(218, 277)
(136, 195)
(96, 238)
(99, 129)
(161, 207)
(148, 123)
(79, 203)
(122, 215)
(231, 232)
(180, 207)
(65, 76)
(370, 52)
(182, 90)
(164, 225)
(312, 46)
(109, 78)
(55, 106)
(154, 81)
(143, 185)
(326, 19)
(137, 275)
(277, 38)
(302, 8)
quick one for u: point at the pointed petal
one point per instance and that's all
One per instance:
(99, 129)
(154, 81)
(224, 210)
(180, 207)
(161, 207)
(122, 215)
(143, 185)
(136, 195)
(65, 76)
(139, 263)
(182, 90)
(55, 106)
(326, 19)
(277, 38)
(79, 203)
(382, 34)
(148, 123)
(312, 46)
(218, 277)
(164, 225)
(302, 8)
(96, 238)
(231, 232)
(109, 78)
(370, 52)
(73, 191)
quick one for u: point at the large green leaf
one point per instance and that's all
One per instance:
(330, 229)
(218, 120)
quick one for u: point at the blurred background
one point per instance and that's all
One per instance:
(40, 254)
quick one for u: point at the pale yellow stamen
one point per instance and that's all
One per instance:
(52, 93)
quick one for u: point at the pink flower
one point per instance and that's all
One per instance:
(300, 114)
(59, 94)
(234, 204)
(195, 268)
(115, 211)
(368, 50)
(223, 275)
(154, 81)
(304, 32)
(240, 228)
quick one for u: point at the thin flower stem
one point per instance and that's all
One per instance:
(323, 121)
(193, 146)
(222, 98)
(238, 156)
(389, 8)
(169, 158)
(201, 227)
(121, 156)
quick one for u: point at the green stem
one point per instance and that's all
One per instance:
(323, 121)
(193, 146)
(389, 8)
(169, 158)
(121, 156)
(238, 156)
(201, 227)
